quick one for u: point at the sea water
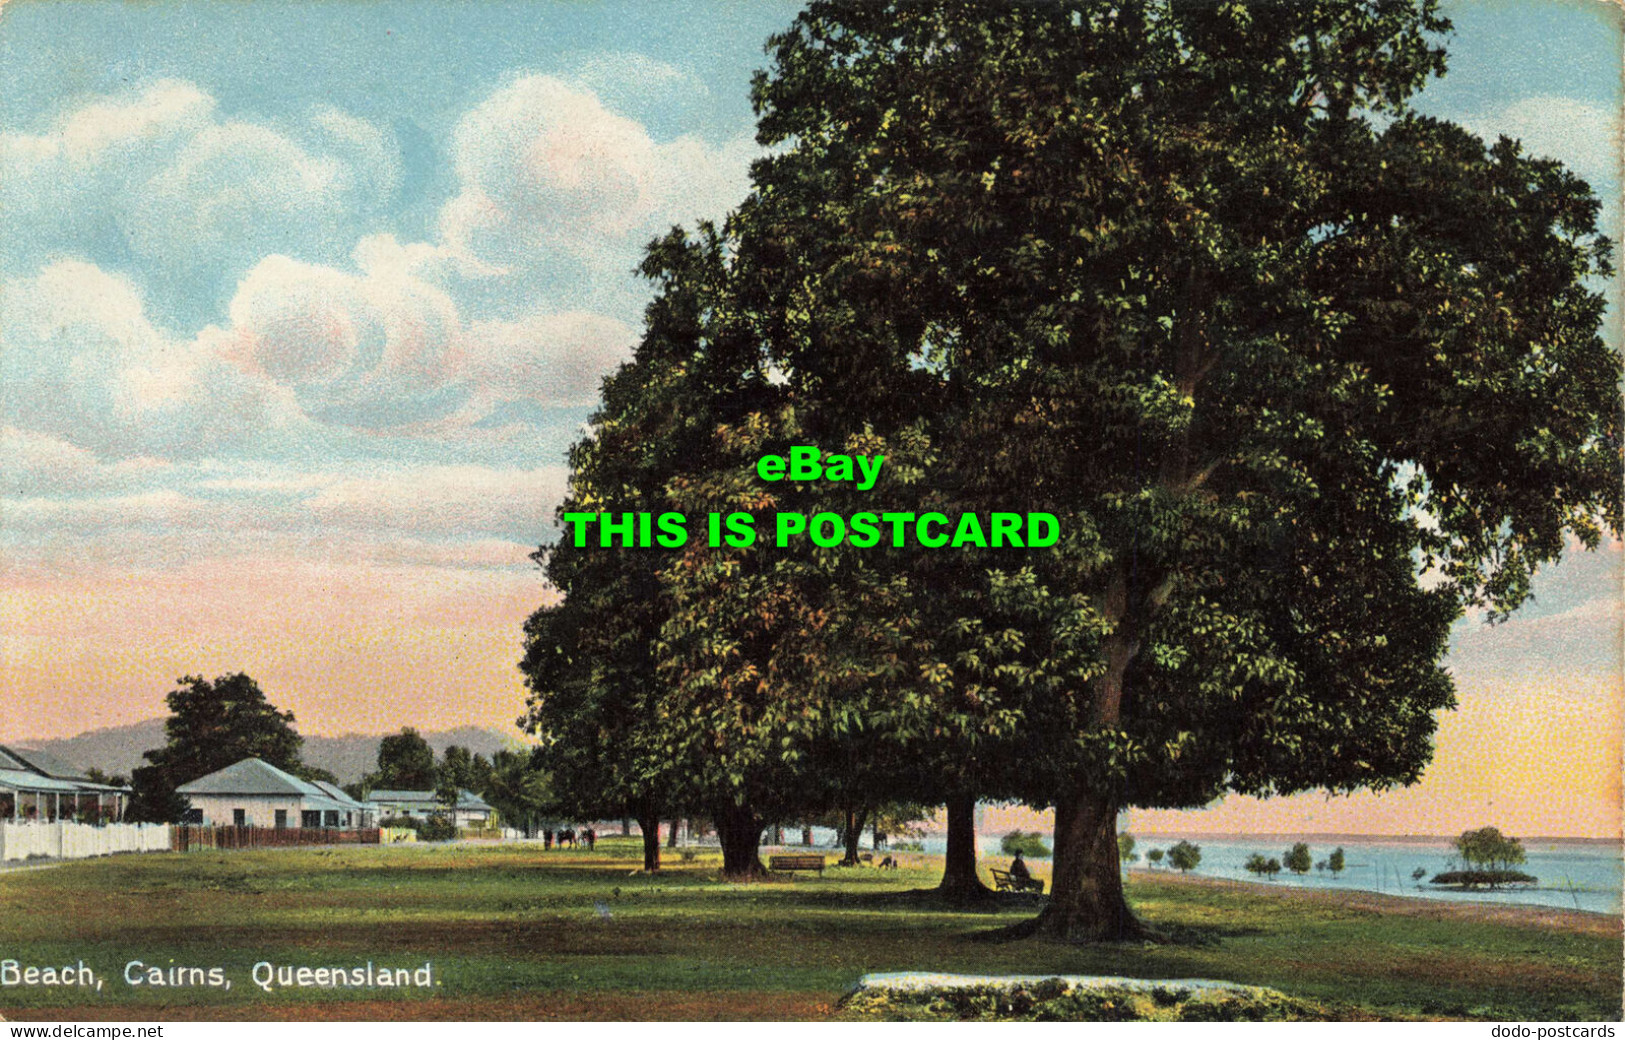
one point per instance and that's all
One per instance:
(1577, 875)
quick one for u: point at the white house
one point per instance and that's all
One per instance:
(35, 785)
(471, 809)
(254, 793)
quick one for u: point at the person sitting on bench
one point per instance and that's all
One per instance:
(1018, 869)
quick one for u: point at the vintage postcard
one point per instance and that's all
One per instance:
(813, 511)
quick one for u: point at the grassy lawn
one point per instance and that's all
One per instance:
(517, 933)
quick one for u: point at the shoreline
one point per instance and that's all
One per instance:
(1581, 922)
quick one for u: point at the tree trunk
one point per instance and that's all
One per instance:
(1086, 893)
(854, 830)
(671, 838)
(959, 880)
(650, 825)
(740, 832)
(626, 827)
(806, 835)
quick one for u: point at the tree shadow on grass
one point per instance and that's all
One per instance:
(1175, 935)
(924, 900)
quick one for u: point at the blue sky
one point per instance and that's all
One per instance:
(302, 303)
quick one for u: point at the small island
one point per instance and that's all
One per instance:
(1489, 857)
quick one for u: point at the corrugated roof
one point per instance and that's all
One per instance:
(10, 761)
(23, 780)
(466, 799)
(47, 763)
(255, 778)
(338, 795)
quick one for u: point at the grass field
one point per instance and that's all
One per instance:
(514, 932)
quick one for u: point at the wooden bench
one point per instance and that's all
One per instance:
(1004, 881)
(791, 863)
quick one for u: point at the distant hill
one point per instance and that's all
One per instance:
(118, 749)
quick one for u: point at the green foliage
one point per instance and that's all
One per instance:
(1300, 383)
(446, 792)
(211, 725)
(1482, 878)
(1155, 856)
(457, 768)
(517, 787)
(1488, 849)
(1297, 858)
(405, 763)
(1028, 843)
(1336, 861)
(437, 827)
(1125, 848)
(1185, 856)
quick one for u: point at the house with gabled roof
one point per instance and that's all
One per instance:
(470, 811)
(254, 793)
(36, 785)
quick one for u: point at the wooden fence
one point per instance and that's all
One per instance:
(192, 837)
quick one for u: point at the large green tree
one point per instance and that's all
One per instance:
(1303, 372)
(405, 763)
(211, 725)
(597, 703)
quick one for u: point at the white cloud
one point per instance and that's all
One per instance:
(386, 347)
(34, 464)
(86, 134)
(1586, 137)
(186, 191)
(372, 350)
(548, 173)
(80, 362)
(557, 358)
(373, 170)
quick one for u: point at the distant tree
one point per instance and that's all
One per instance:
(518, 788)
(1155, 856)
(1272, 867)
(1488, 849)
(1185, 856)
(96, 776)
(1297, 858)
(1256, 864)
(1029, 843)
(314, 773)
(211, 725)
(1419, 873)
(481, 774)
(438, 827)
(1335, 861)
(457, 766)
(1320, 865)
(1125, 848)
(447, 792)
(405, 763)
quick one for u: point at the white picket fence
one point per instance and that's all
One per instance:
(65, 840)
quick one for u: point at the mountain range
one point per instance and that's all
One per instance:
(118, 749)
